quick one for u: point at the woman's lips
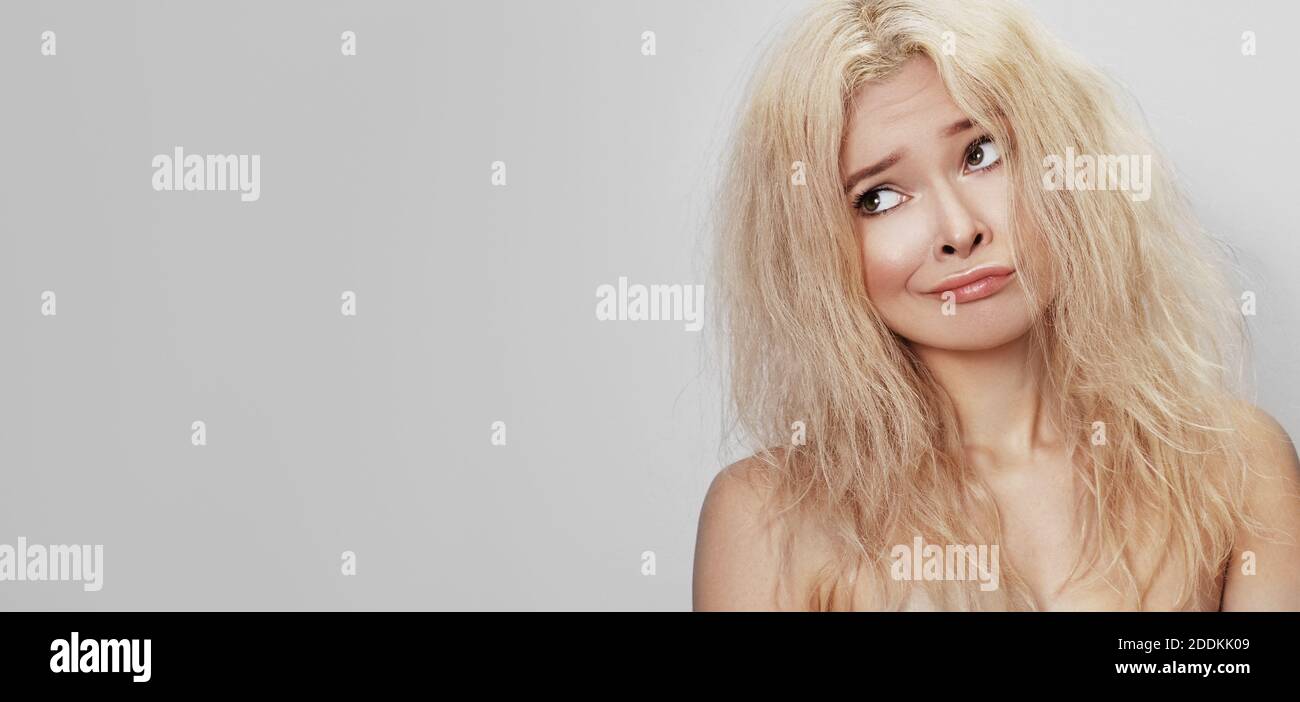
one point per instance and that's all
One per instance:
(977, 289)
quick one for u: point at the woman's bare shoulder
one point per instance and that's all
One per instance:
(1269, 450)
(1265, 569)
(739, 540)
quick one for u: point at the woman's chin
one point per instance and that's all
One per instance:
(972, 337)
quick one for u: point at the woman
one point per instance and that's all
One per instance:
(977, 374)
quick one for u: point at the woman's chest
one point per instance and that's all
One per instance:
(1049, 527)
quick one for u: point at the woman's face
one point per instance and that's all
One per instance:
(927, 191)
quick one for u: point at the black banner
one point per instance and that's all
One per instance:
(929, 652)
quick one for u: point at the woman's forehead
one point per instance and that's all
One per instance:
(914, 92)
(911, 105)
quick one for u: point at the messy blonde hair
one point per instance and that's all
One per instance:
(1139, 329)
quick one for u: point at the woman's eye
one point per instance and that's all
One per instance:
(982, 154)
(879, 200)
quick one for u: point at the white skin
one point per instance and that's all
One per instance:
(944, 213)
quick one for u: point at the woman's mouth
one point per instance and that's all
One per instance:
(975, 287)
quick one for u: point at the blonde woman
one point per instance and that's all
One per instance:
(970, 381)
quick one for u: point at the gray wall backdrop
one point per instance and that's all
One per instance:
(475, 303)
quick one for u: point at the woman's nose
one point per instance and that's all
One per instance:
(960, 229)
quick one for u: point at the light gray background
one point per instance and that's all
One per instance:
(475, 303)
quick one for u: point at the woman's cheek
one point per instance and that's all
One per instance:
(989, 200)
(888, 264)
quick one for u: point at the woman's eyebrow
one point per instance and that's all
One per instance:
(883, 164)
(957, 128)
(874, 169)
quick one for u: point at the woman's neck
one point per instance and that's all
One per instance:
(998, 394)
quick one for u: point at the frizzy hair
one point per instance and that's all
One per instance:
(1140, 329)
